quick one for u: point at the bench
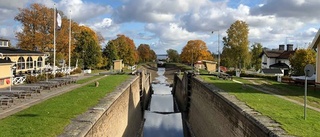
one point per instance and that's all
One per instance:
(5, 100)
(16, 93)
(35, 88)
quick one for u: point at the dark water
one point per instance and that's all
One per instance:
(161, 120)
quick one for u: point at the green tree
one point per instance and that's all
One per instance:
(236, 51)
(255, 56)
(300, 59)
(195, 50)
(111, 53)
(173, 55)
(88, 48)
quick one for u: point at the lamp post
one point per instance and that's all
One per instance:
(69, 67)
(218, 50)
(83, 59)
(192, 65)
(12, 68)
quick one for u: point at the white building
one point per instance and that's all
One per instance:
(277, 59)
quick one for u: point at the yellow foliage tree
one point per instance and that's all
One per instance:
(195, 50)
(300, 59)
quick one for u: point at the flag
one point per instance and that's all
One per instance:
(59, 21)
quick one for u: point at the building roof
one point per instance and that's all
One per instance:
(7, 50)
(280, 54)
(315, 41)
(286, 54)
(279, 65)
(271, 71)
(2, 39)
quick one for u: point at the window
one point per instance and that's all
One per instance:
(39, 64)
(21, 63)
(7, 58)
(29, 63)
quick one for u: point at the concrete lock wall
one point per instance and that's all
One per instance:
(120, 113)
(207, 113)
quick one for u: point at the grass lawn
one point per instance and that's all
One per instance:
(288, 114)
(81, 81)
(295, 92)
(51, 116)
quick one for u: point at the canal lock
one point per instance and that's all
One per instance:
(162, 117)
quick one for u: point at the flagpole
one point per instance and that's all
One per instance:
(69, 42)
(54, 41)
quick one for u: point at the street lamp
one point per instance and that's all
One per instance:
(218, 50)
(192, 59)
(192, 65)
(12, 68)
(83, 59)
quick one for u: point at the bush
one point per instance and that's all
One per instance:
(59, 74)
(41, 77)
(31, 79)
(76, 71)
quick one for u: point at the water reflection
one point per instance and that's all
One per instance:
(161, 120)
(161, 103)
(160, 125)
(161, 89)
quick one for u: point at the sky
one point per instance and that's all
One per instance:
(170, 24)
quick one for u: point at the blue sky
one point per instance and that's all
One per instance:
(169, 24)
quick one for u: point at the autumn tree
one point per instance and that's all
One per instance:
(195, 50)
(300, 59)
(173, 55)
(236, 51)
(145, 53)
(38, 31)
(121, 48)
(37, 28)
(255, 56)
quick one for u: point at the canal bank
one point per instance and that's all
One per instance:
(201, 110)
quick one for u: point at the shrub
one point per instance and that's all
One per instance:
(76, 71)
(41, 77)
(31, 79)
(50, 76)
(59, 74)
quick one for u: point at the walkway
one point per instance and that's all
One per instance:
(21, 104)
(279, 96)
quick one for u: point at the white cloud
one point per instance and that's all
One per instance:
(151, 11)
(82, 11)
(105, 27)
(12, 4)
(302, 9)
(106, 22)
(171, 23)
(172, 36)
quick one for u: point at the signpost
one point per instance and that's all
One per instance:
(308, 71)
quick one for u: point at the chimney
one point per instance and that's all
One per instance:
(281, 47)
(289, 47)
